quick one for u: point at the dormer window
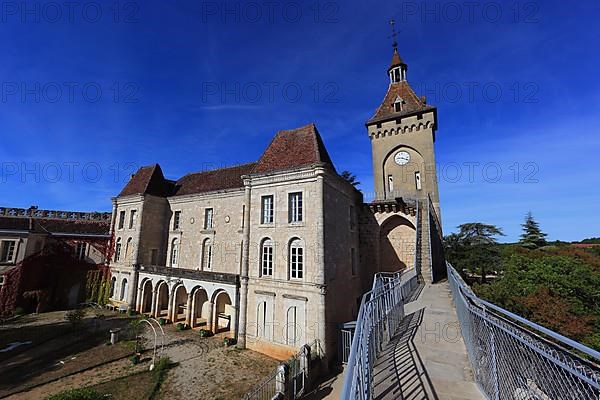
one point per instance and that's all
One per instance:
(398, 104)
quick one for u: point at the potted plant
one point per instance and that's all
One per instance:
(135, 359)
(205, 333)
(229, 341)
(181, 326)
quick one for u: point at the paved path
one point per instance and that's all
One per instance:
(427, 358)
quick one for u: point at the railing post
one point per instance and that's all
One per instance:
(494, 368)
(282, 379)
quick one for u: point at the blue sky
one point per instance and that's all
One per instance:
(92, 91)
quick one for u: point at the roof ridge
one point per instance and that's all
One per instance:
(216, 169)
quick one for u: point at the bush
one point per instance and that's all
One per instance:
(229, 341)
(78, 394)
(205, 333)
(135, 359)
(19, 311)
(75, 317)
(182, 327)
(162, 321)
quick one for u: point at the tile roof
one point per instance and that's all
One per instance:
(289, 149)
(411, 103)
(214, 180)
(293, 148)
(148, 180)
(396, 60)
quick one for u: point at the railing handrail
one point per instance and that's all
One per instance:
(466, 290)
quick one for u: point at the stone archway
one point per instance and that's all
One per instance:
(180, 304)
(146, 305)
(224, 312)
(396, 244)
(162, 300)
(201, 308)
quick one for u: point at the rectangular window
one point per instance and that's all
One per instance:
(296, 262)
(353, 260)
(7, 251)
(154, 256)
(121, 219)
(267, 209)
(267, 260)
(176, 219)
(208, 255)
(390, 183)
(132, 218)
(295, 207)
(418, 180)
(208, 218)
(80, 250)
(352, 217)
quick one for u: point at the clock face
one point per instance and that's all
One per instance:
(402, 158)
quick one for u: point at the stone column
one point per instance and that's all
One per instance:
(170, 305)
(188, 310)
(193, 311)
(132, 296)
(241, 343)
(139, 303)
(209, 317)
(154, 304)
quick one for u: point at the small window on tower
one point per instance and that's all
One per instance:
(398, 106)
(390, 183)
(418, 180)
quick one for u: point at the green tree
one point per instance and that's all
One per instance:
(350, 177)
(532, 236)
(474, 248)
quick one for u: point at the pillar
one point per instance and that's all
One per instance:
(241, 342)
(188, 310)
(193, 310)
(209, 317)
(133, 288)
(154, 304)
(170, 304)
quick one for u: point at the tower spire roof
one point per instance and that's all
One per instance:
(396, 59)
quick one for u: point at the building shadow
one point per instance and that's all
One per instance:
(399, 372)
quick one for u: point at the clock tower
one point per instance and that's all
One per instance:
(402, 133)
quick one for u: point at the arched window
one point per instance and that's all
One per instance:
(128, 249)
(113, 283)
(207, 254)
(292, 326)
(174, 252)
(118, 250)
(123, 290)
(296, 259)
(266, 258)
(261, 319)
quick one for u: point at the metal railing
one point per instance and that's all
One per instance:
(380, 314)
(290, 379)
(513, 358)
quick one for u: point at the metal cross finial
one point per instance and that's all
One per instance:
(394, 34)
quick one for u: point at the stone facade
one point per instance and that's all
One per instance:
(277, 252)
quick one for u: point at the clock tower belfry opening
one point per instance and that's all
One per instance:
(402, 132)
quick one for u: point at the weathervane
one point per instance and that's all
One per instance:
(394, 34)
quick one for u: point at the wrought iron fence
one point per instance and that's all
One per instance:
(381, 311)
(513, 358)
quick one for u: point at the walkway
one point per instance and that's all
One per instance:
(427, 358)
